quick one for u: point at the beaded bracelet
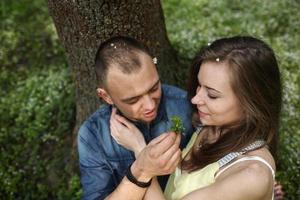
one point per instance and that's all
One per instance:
(133, 180)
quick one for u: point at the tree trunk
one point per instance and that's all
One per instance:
(83, 24)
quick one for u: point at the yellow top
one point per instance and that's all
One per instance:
(181, 183)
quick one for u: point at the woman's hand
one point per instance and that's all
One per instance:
(126, 133)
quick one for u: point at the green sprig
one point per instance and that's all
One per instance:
(177, 125)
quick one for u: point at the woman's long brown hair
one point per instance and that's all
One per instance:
(255, 80)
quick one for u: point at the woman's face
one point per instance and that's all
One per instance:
(215, 100)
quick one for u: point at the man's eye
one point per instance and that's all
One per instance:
(132, 101)
(154, 89)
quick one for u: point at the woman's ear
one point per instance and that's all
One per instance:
(101, 93)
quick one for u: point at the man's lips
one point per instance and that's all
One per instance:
(150, 113)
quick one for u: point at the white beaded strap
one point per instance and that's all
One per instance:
(256, 158)
(231, 156)
(199, 128)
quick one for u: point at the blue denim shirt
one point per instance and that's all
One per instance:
(103, 162)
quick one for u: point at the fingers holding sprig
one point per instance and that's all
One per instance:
(170, 158)
(173, 162)
(160, 157)
(163, 142)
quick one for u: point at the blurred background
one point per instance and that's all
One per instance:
(37, 96)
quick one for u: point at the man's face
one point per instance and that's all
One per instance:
(136, 95)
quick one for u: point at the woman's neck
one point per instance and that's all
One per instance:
(211, 134)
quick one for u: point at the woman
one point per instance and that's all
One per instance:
(236, 91)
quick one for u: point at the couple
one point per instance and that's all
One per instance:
(126, 148)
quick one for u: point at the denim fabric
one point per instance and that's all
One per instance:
(103, 162)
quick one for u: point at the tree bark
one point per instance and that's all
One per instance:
(83, 24)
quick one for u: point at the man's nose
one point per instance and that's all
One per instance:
(149, 102)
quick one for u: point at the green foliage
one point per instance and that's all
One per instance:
(36, 107)
(177, 125)
(37, 98)
(198, 22)
(193, 23)
(28, 37)
(35, 125)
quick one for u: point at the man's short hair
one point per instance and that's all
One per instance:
(121, 52)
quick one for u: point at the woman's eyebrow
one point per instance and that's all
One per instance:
(209, 88)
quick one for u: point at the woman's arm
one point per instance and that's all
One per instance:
(250, 181)
(154, 191)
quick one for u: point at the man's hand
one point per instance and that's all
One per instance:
(160, 157)
(126, 133)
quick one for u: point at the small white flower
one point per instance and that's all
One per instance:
(111, 44)
(154, 60)
(208, 44)
(217, 59)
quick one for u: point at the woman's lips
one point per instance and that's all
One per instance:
(202, 114)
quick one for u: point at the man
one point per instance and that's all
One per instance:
(130, 85)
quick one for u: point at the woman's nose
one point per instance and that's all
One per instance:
(198, 98)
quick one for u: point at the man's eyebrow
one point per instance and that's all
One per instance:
(129, 99)
(134, 97)
(155, 84)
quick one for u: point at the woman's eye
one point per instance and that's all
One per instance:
(212, 96)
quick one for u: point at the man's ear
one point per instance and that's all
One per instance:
(104, 95)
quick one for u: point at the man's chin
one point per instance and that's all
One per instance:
(144, 119)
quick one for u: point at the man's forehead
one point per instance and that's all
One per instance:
(125, 86)
(116, 69)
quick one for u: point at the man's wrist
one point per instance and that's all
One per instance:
(139, 173)
(139, 149)
(137, 181)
